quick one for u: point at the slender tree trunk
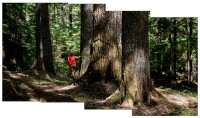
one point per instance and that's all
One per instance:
(70, 20)
(159, 54)
(189, 51)
(174, 47)
(171, 55)
(63, 16)
(4, 34)
(135, 50)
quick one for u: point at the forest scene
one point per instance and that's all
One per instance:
(59, 52)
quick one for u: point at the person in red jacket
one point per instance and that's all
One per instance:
(72, 64)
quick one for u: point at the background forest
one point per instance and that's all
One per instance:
(172, 47)
(19, 30)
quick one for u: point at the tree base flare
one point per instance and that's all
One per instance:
(113, 98)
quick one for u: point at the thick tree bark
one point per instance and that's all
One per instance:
(135, 50)
(133, 79)
(106, 44)
(98, 50)
(104, 50)
(86, 36)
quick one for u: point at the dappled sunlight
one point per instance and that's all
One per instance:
(26, 87)
(61, 88)
(43, 84)
(33, 98)
(178, 98)
(22, 75)
(52, 87)
(16, 75)
(94, 95)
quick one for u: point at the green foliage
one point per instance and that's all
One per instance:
(162, 45)
(183, 92)
(19, 23)
(63, 42)
(180, 110)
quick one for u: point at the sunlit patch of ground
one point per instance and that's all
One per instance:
(186, 101)
(92, 95)
(56, 88)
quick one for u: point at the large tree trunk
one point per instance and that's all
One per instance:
(103, 46)
(46, 40)
(135, 50)
(106, 44)
(86, 36)
(44, 56)
(38, 63)
(98, 49)
(109, 36)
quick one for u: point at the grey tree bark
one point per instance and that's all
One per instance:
(135, 50)
(86, 36)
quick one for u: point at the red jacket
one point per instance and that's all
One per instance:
(71, 60)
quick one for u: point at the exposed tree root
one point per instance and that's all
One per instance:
(157, 94)
(117, 98)
(42, 74)
(113, 98)
(10, 92)
(80, 81)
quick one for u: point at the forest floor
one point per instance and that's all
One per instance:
(26, 86)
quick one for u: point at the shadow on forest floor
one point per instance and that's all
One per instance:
(25, 86)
